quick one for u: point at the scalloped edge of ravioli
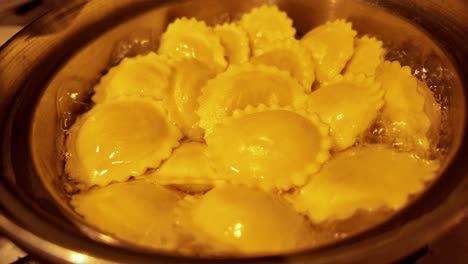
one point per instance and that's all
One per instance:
(187, 169)
(235, 42)
(175, 43)
(187, 79)
(368, 178)
(102, 124)
(368, 55)
(266, 25)
(403, 114)
(223, 163)
(348, 104)
(331, 45)
(151, 72)
(132, 211)
(204, 218)
(290, 56)
(217, 100)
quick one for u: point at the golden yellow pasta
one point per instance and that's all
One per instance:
(187, 78)
(243, 220)
(119, 139)
(348, 104)
(190, 38)
(331, 46)
(244, 85)
(368, 55)
(240, 139)
(367, 177)
(135, 211)
(292, 57)
(187, 169)
(145, 76)
(235, 42)
(252, 147)
(403, 115)
(266, 25)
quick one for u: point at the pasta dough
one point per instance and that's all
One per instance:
(266, 25)
(368, 178)
(235, 42)
(348, 104)
(258, 153)
(331, 46)
(244, 85)
(239, 219)
(292, 57)
(187, 169)
(187, 78)
(144, 76)
(190, 38)
(368, 55)
(117, 140)
(135, 211)
(403, 115)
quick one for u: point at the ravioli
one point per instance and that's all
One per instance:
(135, 211)
(144, 76)
(257, 151)
(266, 25)
(363, 178)
(235, 42)
(403, 116)
(331, 46)
(188, 169)
(241, 140)
(292, 57)
(244, 85)
(187, 78)
(239, 219)
(349, 104)
(190, 38)
(117, 140)
(368, 55)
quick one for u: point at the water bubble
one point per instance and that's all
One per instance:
(136, 43)
(73, 98)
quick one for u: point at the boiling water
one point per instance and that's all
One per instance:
(72, 101)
